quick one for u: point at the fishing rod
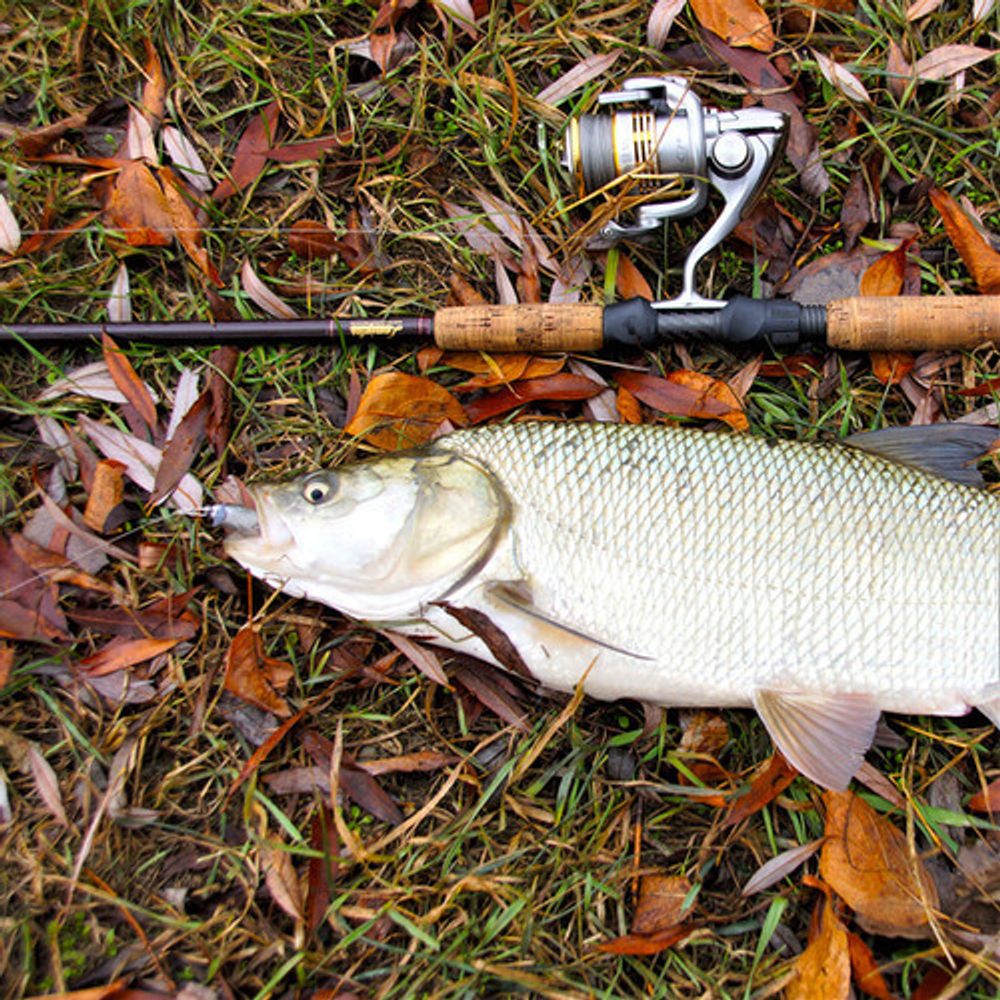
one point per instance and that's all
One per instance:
(656, 136)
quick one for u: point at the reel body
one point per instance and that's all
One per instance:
(658, 132)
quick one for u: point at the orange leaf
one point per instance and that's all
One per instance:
(660, 906)
(647, 944)
(709, 388)
(891, 367)
(138, 207)
(884, 276)
(866, 971)
(491, 370)
(562, 386)
(125, 378)
(154, 90)
(768, 784)
(672, 396)
(121, 653)
(824, 968)
(628, 406)
(6, 663)
(105, 493)
(185, 225)
(988, 800)
(738, 22)
(252, 676)
(398, 410)
(629, 281)
(868, 863)
(980, 258)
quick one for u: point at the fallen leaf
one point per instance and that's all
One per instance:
(947, 60)
(122, 653)
(630, 282)
(779, 867)
(563, 386)
(154, 90)
(899, 73)
(921, 8)
(841, 78)
(483, 685)
(988, 799)
(884, 276)
(769, 782)
(867, 862)
(254, 677)
(823, 970)
(736, 22)
(491, 370)
(282, 882)
(419, 761)
(105, 495)
(865, 970)
(263, 296)
(628, 406)
(137, 206)
(185, 158)
(891, 367)
(250, 156)
(660, 917)
(711, 391)
(139, 141)
(661, 19)
(979, 257)
(119, 298)
(6, 663)
(313, 240)
(131, 386)
(578, 77)
(47, 784)
(10, 231)
(309, 149)
(399, 410)
(182, 448)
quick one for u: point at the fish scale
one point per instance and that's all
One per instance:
(753, 563)
(819, 584)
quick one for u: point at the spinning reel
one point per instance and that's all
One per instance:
(659, 137)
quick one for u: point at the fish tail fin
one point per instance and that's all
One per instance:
(991, 709)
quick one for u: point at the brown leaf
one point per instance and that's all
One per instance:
(399, 410)
(947, 60)
(37, 142)
(867, 862)
(823, 970)
(841, 78)
(138, 207)
(6, 663)
(309, 149)
(250, 156)
(685, 394)
(313, 240)
(891, 367)
(185, 225)
(563, 386)
(126, 379)
(630, 282)
(282, 882)
(105, 495)
(737, 22)
(988, 799)
(222, 363)
(578, 77)
(362, 788)
(181, 449)
(154, 90)
(628, 406)
(481, 684)
(884, 276)
(767, 785)
(898, 71)
(491, 370)
(866, 972)
(418, 761)
(121, 653)
(252, 676)
(661, 903)
(979, 257)
(47, 784)
(648, 944)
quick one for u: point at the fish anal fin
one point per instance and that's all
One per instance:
(824, 736)
(948, 450)
(518, 596)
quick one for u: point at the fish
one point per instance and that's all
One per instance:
(817, 583)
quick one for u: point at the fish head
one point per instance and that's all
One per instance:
(378, 540)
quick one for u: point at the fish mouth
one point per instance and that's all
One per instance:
(259, 525)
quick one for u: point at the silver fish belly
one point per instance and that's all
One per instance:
(819, 584)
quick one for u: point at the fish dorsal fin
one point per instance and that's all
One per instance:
(947, 450)
(824, 736)
(518, 596)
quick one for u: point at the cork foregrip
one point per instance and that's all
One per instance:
(532, 328)
(899, 323)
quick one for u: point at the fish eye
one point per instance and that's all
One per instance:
(316, 491)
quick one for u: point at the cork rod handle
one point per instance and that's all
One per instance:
(913, 324)
(548, 327)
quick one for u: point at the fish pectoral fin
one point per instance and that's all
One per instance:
(518, 596)
(824, 736)
(948, 450)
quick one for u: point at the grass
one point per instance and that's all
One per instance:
(528, 846)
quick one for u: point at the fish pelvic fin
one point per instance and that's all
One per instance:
(947, 450)
(518, 596)
(824, 736)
